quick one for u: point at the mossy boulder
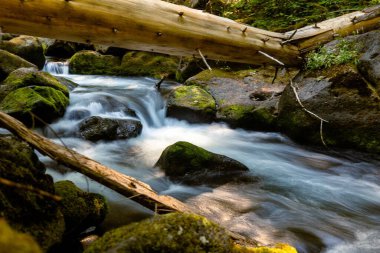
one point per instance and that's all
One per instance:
(80, 209)
(27, 47)
(191, 103)
(191, 164)
(339, 95)
(148, 64)
(45, 102)
(27, 93)
(27, 211)
(10, 62)
(278, 248)
(245, 98)
(93, 63)
(12, 241)
(97, 128)
(171, 233)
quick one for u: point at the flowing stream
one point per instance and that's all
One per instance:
(316, 201)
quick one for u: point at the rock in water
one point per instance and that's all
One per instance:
(10, 62)
(192, 164)
(96, 128)
(27, 47)
(191, 103)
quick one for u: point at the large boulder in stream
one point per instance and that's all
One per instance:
(10, 62)
(28, 211)
(27, 47)
(339, 95)
(97, 128)
(27, 93)
(191, 164)
(88, 62)
(80, 209)
(245, 98)
(191, 103)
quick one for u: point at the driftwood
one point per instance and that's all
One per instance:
(158, 26)
(123, 184)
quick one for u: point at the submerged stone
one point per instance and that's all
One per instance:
(191, 103)
(192, 164)
(97, 128)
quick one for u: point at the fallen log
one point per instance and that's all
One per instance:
(123, 184)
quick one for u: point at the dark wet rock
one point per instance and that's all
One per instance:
(245, 98)
(116, 51)
(27, 211)
(60, 49)
(169, 233)
(341, 96)
(80, 209)
(191, 103)
(96, 128)
(70, 85)
(27, 47)
(12, 241)
(10, 62)
(93, 63)
(188, 163)
(27, 93)
(78, 114)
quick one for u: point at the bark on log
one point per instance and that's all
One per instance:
(147, 25)
(123, 184)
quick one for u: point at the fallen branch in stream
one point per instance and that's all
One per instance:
(310, 112)
(127, 186)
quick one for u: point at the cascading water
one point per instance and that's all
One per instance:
(315, 201)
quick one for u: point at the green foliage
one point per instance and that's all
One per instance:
(283, 15)
(344, 52)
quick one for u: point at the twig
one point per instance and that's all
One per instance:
(275, 76)
(310, 112)
(204, 60)
(29, 188)
(271, 57)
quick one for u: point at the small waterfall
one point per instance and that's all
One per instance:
(56, 68)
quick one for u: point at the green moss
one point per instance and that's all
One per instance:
(278, 248)
(148, 64)
(171, 233)
(10, 62)
(345, 52)
(15, 242)
(30, 77)
(193, 97)
(80, 209)
(93, 63)
(207, 75)
(45, 102)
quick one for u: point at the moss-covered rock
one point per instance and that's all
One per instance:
(10, 62)
(339, 95)
(192, 164)
(80, 209)
(45, 102)
(191, 103)
(148, 64)
(93, 63)
(171, 233)
(12, 241)
(27, 211)
(278, 248)
(26, 47)
(245, 98)
(30, 77)
(97, 128)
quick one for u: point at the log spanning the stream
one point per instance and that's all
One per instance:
(123, 184)
(158, 26)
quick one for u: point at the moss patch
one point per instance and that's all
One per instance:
(92, 63)
(171, 233)
(15, 242)
(10, 62)
(278, 248)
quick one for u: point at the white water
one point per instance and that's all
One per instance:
(315, 201)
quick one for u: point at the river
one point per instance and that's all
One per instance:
(317, 201)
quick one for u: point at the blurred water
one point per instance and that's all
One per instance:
(315, 201)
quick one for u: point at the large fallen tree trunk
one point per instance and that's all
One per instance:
(123, 184)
